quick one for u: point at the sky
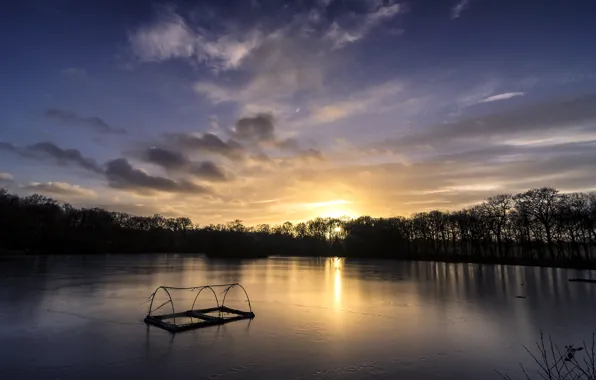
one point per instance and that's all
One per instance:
(270, 111)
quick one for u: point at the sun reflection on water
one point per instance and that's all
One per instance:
(337, 268)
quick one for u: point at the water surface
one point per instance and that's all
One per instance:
(73, 317)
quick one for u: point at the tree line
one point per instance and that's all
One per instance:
(540, 226)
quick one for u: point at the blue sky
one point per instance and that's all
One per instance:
(269, 111)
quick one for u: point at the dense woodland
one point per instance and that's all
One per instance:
(539, 226)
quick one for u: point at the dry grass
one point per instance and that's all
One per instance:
(571, 363)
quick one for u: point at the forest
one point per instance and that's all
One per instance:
(538, 227)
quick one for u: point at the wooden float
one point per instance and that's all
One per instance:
(196, 318)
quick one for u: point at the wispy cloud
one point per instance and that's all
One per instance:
(562, 115)
(504, 96)
(277, 58)
(279, 68)
(369, 100)
(342, 36)
(172, 37)
(6, 177)
(458, 8)
(70, 118)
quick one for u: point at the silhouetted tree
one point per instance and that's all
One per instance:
(539, 226)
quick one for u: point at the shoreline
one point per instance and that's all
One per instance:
(447, 260)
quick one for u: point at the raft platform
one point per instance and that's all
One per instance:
(196, 318)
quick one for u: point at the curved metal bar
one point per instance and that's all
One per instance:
(153, 298)
(197, 296)
(247, 298)
(225, 293)
(197, 287)
(230, 288)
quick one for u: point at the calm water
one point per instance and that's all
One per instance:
(81, 317)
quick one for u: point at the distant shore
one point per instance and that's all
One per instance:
(447, 260)
(539, 227)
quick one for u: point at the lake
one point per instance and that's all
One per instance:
(75, 317)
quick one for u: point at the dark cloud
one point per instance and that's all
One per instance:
(65, 156)
(166, 158)
(260, 129)
(70, 118)
(579, 112)
(177, 162)
(208, 142)
(208, 170)
(44, 150)
(121, 175)
(257, 128)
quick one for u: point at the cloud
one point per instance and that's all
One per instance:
(207, 142)
(75, 72)
(170, 36)
(6, 177)
(504, 96)
(178, 163)
(278, 69)
(69, 118)
(372, 99)
(43, 150)
(459, 7)
(292, 55)
(207, 170)
(572, 115)
(61, 189)
(228, 45)
(216, 93)
(65, 156)
(121, 175)
(342, 36)
(257, 128)
(336, 111)
(165, 158)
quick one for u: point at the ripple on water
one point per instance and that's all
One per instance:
(370, 368)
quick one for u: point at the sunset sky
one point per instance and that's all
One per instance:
(268, 111)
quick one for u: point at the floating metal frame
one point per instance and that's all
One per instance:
(204, 320)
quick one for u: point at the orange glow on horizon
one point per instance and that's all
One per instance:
(333, 209)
